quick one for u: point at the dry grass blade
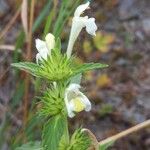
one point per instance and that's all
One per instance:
(126, 132)
(28, 58)
(10, 23)
(24, 16)
(7, 47)
(95, 144)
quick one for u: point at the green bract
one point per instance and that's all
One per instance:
(57, 67)
(79, 141)
(52, 102)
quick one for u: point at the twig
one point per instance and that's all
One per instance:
(126, 132)
(7, 47)
(10, 23)
(28, 58)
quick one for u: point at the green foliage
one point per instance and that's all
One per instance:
(79, 141)
(63, 144)
(44, 12)
(76, 79)
(52, 132)
(31, 131)
(50, 19)
(88, 66)
(57, 67)
(18, 95)
(52, 101)
(19, 44)
(58, 44)
(106, 145)
(31, 146)
(28, 67)
(105, 109)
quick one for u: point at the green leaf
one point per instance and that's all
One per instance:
(106, 145)
(31, 146)
(31, 131)
(64, 141)
(44, 12)
(17, 52)
(76, 79)
(18, 45)
(58, 43)
(27, 66)
(89, 66)
(56, 67)
(49, 19)
(52, 132)
(18, 95)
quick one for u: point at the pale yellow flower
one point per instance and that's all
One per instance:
(75, 100)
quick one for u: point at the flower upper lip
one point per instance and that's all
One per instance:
(81, 9)
(44, 47)
(78, 23)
